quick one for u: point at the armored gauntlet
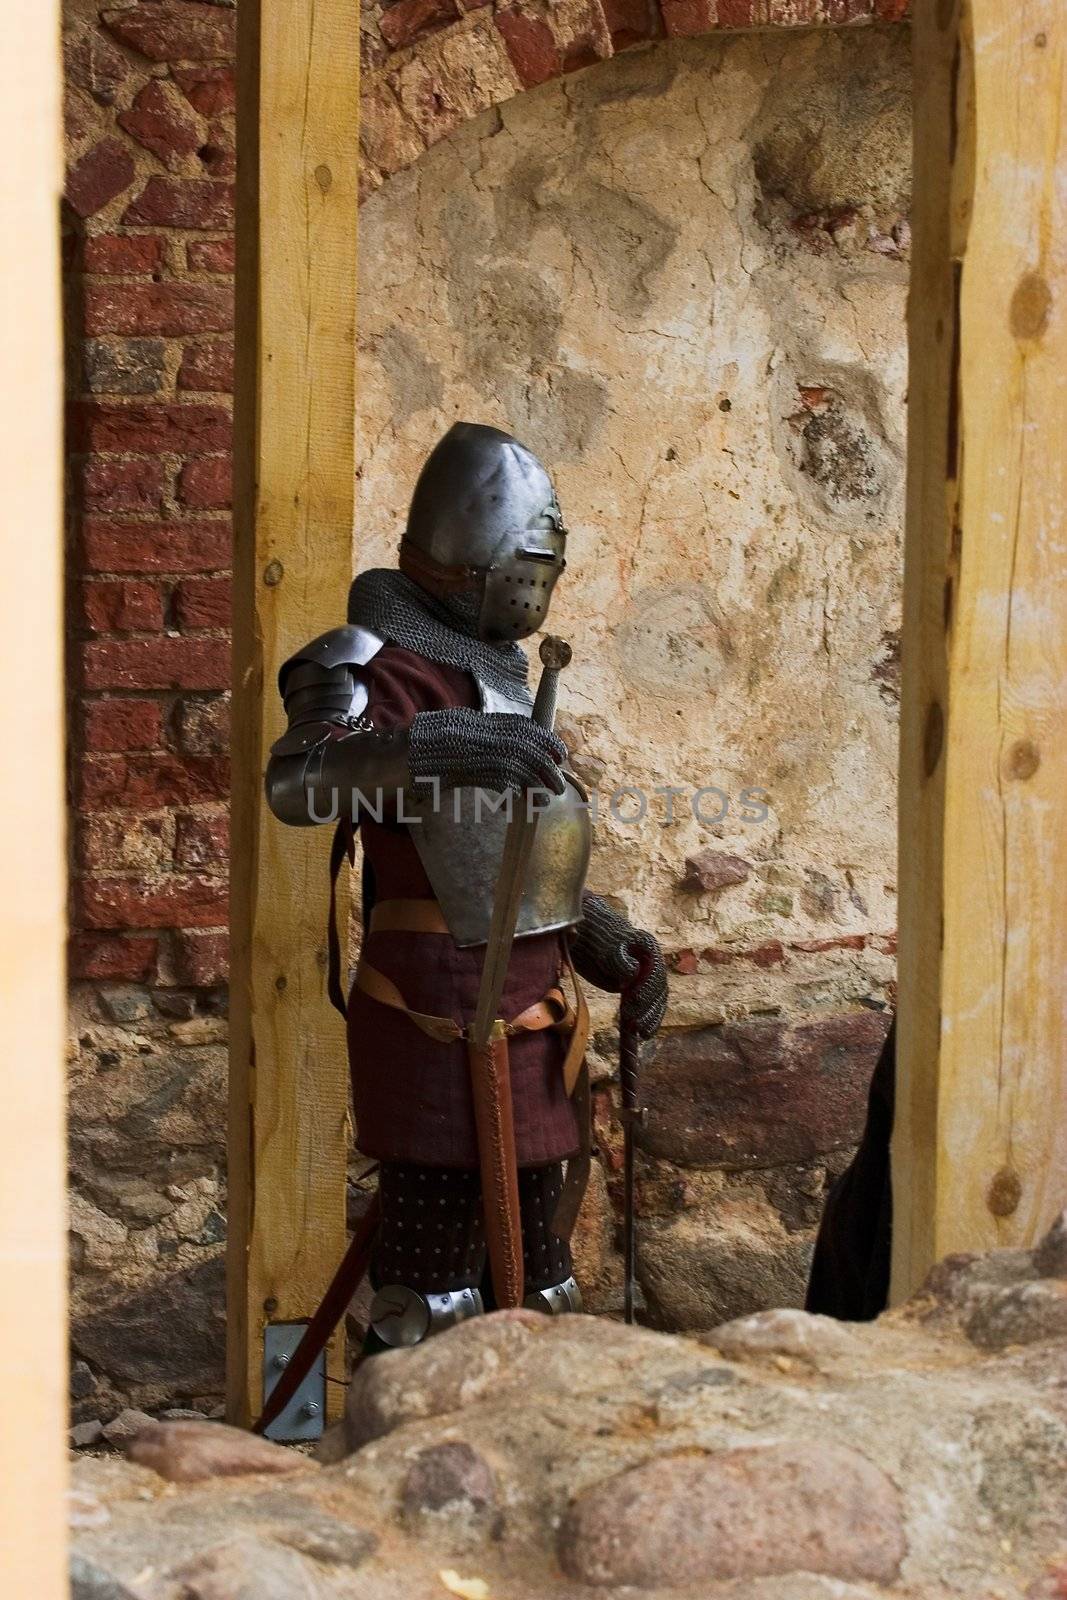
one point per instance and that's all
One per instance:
(497, 751)
(610, 952)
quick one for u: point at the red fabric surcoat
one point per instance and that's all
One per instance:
(412, 1095)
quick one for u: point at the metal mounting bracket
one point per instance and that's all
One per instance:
(304, 1416)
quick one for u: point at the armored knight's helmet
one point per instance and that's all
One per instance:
(485, 532)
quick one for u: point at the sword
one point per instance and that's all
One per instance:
(633, 1115)
(487, 1042)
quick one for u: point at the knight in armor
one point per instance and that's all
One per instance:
(420, 699)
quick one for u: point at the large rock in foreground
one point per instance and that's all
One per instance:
(783, 1457)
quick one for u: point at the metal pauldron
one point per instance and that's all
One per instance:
(401, 1316)
(557, 1299)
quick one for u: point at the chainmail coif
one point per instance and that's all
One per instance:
(393, 606)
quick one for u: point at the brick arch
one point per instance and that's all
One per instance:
(431, 65)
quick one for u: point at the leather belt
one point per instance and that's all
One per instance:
(551, 1011)
(407, 916)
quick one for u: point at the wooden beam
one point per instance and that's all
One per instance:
(33, 1357)
(298, 111)
(980, 1149)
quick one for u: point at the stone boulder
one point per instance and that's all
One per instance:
(780, 1457)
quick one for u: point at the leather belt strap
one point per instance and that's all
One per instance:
(407, 916)
(425, 916)
(551, 1011)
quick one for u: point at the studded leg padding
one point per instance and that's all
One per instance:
(432, 1236)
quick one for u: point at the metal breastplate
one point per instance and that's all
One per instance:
(460, 843)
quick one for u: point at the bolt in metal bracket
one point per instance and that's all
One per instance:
(304, 1416)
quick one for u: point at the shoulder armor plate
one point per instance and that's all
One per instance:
(347, 646)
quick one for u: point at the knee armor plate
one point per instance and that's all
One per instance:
(556, 1299)
(401, 1316)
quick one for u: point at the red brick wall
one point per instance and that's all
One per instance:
(149, 260)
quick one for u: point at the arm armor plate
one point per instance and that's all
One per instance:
(329, 748)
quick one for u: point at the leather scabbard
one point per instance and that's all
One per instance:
(491, 1087)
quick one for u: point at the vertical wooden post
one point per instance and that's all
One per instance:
(980, 1149)
(33, 1444)
(298, 112)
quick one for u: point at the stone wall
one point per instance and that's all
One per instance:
(148, 256)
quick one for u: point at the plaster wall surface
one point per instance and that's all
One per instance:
(680, 278)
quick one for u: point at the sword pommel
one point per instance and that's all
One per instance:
(555, 653)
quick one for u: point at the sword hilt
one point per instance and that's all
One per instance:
(555, 655)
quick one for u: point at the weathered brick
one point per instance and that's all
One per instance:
(842, 941)
(892, 10)
(121, 607)
(123, 254)
(708, 871)
(742, 13)
(783, 1092)
(841, 11)
(140, 429)
(685, 18)
(200, 957)
(124, 366)
(771, 954)
(160, 308)
(133, 485)
(94, 65)
(124, 956)
(209, 90)
(203, 837)
(211, 255)
(533, 50)
(207, 366)
(388, 139)
(118, 842)
(164, 662)
(102, 173)
(185, 32)
(183, 203)
(203, 603)
(631, 21)
(218, 153)
(162, 120)
(206, 485)
(405, 21)
(150, 782)
(155, 546)
(204, 726)
(794, 13)
(453, 77)
(122, 725)
(181, 900)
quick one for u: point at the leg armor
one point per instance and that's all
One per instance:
(430, 1260)
(430, 1254)
(550, 1281)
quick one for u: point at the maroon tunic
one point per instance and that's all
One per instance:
(411, 1094)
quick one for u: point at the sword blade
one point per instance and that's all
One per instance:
(518, 845)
